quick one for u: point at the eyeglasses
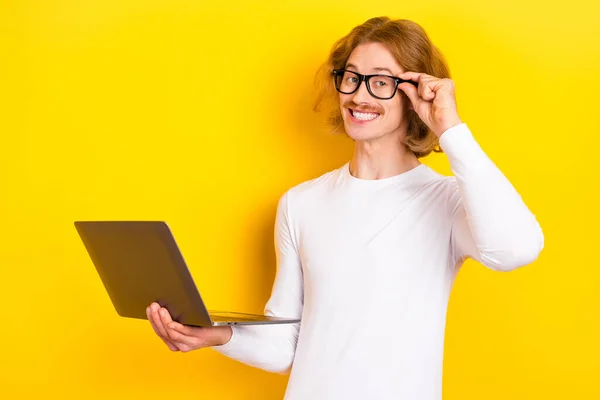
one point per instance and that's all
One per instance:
(383, 88)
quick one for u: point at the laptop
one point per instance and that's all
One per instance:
(139, 262)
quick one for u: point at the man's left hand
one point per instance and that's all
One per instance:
(434, 100)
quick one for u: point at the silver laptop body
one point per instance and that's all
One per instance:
(139, 263)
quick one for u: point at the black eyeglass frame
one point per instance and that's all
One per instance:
(366, 79)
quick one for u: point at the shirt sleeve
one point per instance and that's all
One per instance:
(272, 347)
(490, 222)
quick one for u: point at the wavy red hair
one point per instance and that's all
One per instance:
(412, 49)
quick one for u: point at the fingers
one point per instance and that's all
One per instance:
(427, 84)
(165, 317)
(158, 327)
(183, 329)
(177, 337)
(411, 92)
(414, 94)
(426, 89)
(184, 342)
(183, 337)
(412, 76)
(203, 336)
(158, 321)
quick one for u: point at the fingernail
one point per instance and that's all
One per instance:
(154, 306)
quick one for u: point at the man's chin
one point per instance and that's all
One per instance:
(362, 134)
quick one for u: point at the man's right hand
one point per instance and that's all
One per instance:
(185, 338)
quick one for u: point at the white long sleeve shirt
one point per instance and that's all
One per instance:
(368, 266)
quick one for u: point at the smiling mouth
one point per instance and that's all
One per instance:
(363, 116)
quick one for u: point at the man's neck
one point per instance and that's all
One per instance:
(382, 158)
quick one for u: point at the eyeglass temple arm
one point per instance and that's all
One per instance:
(415, 84)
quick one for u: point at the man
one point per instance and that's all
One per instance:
(367, 253)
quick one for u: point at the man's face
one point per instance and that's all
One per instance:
(366, 117)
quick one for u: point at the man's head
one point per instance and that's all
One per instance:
(386, 48)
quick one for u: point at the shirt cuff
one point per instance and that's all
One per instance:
(229, 344)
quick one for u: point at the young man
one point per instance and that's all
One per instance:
(367, 253)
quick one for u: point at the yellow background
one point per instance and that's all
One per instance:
(200, 114)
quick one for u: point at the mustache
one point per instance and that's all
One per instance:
(372, 108)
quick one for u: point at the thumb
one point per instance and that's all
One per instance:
(411, 92)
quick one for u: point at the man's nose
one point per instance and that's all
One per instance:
(361, 95)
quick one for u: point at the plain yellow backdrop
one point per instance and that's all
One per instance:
(200, 114)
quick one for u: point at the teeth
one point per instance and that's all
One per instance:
(364, 116)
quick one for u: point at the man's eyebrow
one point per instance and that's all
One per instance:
(378, 69)
(383, 70)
